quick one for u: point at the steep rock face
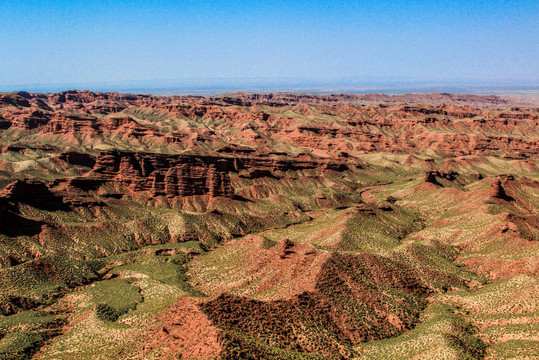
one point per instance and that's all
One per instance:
(19, 99)
(25, 120)
(430, 177)
(84, 126)
(102, 103)
(185, 175)
(77, 191)
(166, 175)
(496, 190)
(71, 123)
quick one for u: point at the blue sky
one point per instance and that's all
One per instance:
(55, 42)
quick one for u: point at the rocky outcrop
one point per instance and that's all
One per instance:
(77, 191)
(496, 190)
(17, 99)
(10, 304)
(29, 120)
(166, 175)
(430, 177)
(186, 175)
(72, 123)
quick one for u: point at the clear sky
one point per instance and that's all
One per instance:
(54, 42)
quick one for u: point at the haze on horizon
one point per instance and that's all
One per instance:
(121, 42)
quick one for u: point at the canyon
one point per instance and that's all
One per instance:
(268, 226)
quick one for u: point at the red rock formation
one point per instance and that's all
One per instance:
(496, 190)
(10, 304)
(29, 120)
(314, 301)
(247, 99)
(71, 124)
(185, 175)
(430, 177)
(166, 175)
(445, 123)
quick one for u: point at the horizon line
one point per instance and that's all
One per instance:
(344, 85)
